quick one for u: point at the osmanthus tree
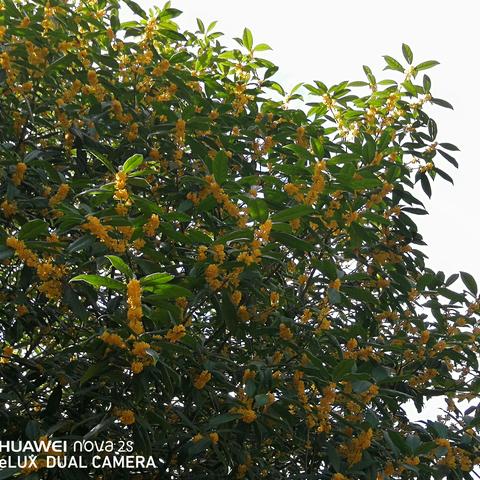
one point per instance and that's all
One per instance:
(228, 276)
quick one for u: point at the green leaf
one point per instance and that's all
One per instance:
(385, 139)
(218, 420)
(292, 241)
(132, 163)
(7, 473)
(93, 371)
(156, 279)
(261, 47)
(220, 167)
(99, 281)
(247, 39)
(449, 146)
(469, 282)
(258, 209)
(359, 294)
(426, 65)
(334, 296)
(162, 292)
(427, 83)
(442, 103)
(407, 53)
(120, 265)
(136, 8)
(292, 213)
(394, 438)
(33, 229)
(343, 368)
(393, 64)
(229, 313)
(201, 26)
(426, 185)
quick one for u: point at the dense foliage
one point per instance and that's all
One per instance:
(231, 277)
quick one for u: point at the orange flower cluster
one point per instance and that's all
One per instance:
(161, 68)
(151, 226)
(202, 379)
(49, 273)
(17, 177)
(9, 208)
(318, 184)
(324, 408)
(213, 188)
(60, 196)
(121, 192)
(180, 131)
(212, 273)
(353, 451)
(134, 301)
(112, 339)
(127, 417)
(95, 227)
(176, 333)
(285, 332)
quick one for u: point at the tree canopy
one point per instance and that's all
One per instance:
(228, 274)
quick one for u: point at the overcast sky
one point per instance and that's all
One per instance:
(330, 41)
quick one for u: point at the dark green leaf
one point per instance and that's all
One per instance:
(99, 281)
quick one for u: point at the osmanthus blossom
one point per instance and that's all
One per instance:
(234, 284)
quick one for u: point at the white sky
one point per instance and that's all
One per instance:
(330, 41)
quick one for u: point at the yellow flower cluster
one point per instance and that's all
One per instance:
(378, 197)
(370, 394)
(212, 273)
(127, 417)
(112, 339)
(7, 352)
(263, 232)
(49, 273)
(150, 228)
(274, 299)
(252, 256)
(139, 349)
(241, 98)
(285, 332)
(213, 188)
(136, 367)
(202, 379)
(134, 301)
(161, 68)
(353, 451)
(180, 131)
(301, 138)
(176, 333)
(299, 385)
(324, 408)
(219, 254)
(121, 192)
(247, 413)
(95, 87)
(95, 227)
(202, 253)
(60, 196)
(336, 284)
(318, 184)
(9, 208)
(132, 132)
(20, 169)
